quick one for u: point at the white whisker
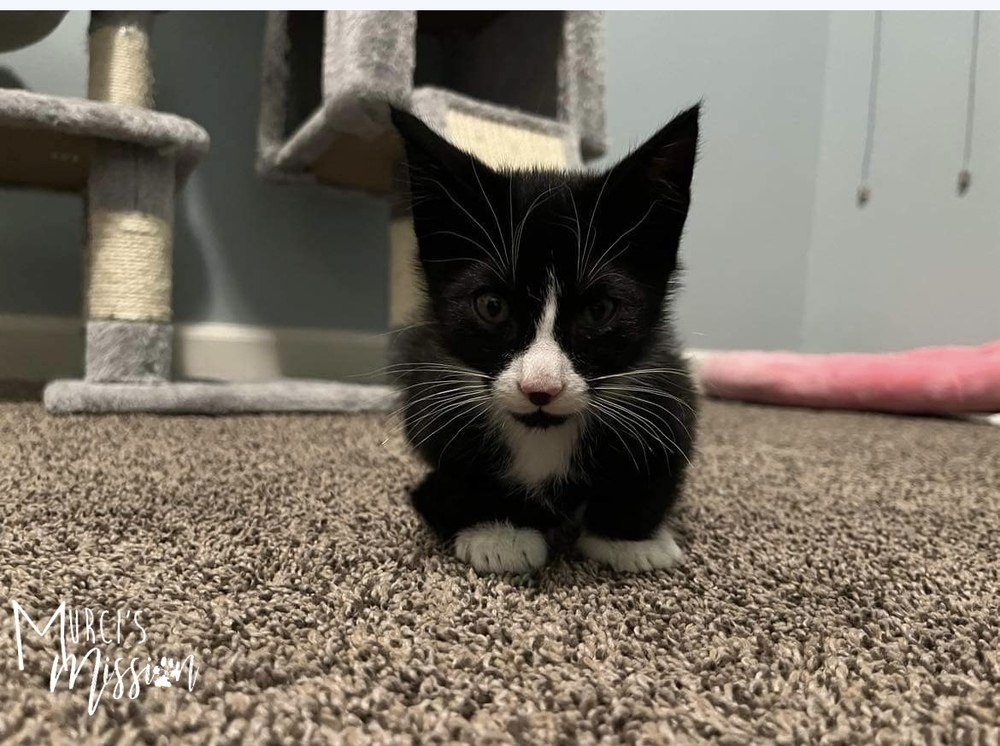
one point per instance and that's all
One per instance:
(648, 390)
(520, 227)
(417, 367)
(462, 411)
(640, 371)
(496, 266)
(469, 259)
(481, 411)
(579, 247)
(601, 259)
(430, 411)
(401, 329)
(440, 391)
(616, 421)
(510, 211)
(507, 250)
(650, 427)
(468, 214)
(662, 408)
(588, 244)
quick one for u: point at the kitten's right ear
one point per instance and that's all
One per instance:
(448, 189)
(428, 155)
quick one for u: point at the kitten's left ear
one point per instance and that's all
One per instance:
(665, 162)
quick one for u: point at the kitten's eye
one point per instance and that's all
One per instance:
(491, 308)
(598, 312)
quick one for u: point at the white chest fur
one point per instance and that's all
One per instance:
(537, 456)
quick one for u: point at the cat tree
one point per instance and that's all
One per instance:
(127, 161)
(516, 88)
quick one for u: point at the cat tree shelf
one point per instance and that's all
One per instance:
(523, 89)
(47, 142)
(328, 77)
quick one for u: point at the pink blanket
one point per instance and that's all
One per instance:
(927, 380)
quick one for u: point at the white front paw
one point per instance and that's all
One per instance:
(659, 552)
(500, 547)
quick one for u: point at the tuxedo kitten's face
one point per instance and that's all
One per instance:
(548, 284)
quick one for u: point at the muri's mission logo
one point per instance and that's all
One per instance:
(116, 676)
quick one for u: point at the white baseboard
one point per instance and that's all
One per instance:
(43, 348)
(233, 352)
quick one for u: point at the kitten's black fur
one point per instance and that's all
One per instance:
(626, 475)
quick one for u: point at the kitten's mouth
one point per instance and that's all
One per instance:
(539, 419)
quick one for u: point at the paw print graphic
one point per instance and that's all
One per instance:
(168, 669)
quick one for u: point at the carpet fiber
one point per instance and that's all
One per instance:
(841, 585)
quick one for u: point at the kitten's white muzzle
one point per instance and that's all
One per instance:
(541, 378)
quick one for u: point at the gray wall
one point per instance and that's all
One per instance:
(918, 265)
(761, 77)
(777, 254)
(41, 234)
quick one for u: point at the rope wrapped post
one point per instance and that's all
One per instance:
(404, 280)
(130, 204)
(120, 70)
(128, 264)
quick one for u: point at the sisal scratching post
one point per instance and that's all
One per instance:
(404, 286)
(130, 193)
(500, 145)
(120, 70)
(128, 264)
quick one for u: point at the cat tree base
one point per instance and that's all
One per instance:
(211, 398)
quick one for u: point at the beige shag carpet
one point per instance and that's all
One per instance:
(842, 586)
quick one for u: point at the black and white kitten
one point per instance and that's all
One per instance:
(543, 383)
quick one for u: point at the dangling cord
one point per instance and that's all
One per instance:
(965, 176)
(864, 192)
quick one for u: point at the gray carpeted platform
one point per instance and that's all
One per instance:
(207, 397)
(841, 587)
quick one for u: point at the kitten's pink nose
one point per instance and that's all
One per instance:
(540, 395)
